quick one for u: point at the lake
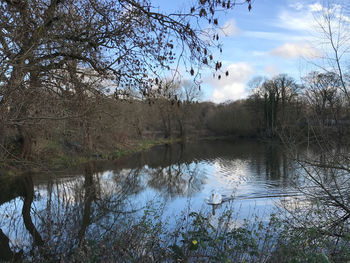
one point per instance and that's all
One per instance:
(61, 208)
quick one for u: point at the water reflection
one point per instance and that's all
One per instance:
(19, 187)
(61, 214)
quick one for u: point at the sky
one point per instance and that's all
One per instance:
(276, 36)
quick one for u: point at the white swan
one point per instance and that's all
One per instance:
(215, 198)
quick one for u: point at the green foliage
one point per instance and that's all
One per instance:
(310, 245)
(201, 237)
(225, 242)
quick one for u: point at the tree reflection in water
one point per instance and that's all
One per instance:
(60, 218)
(176, 180)
(69, 212)
(19, 187)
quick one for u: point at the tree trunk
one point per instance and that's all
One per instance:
(6, 253)
(26, 141)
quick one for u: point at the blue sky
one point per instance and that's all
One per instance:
(274, 37)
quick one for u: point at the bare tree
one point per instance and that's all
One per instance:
(324, 169)
(334, 35)
(278, 95)
(323, 95)
(190, 92)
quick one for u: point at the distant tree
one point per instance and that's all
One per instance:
(323, 95)
(277, 95)
(287, 89)
(190, 92)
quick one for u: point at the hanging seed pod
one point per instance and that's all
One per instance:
(202, 12)
(211, 10)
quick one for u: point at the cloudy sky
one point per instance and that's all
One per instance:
(275, 37)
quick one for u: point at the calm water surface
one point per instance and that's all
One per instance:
(46, 207)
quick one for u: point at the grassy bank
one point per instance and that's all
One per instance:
(138, 146)
(57, 155)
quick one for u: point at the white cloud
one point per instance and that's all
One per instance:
(295, 50)
(299, 21)
(309, 22)
(307, 19)
(230, 28)
(315, 7)
(298, 6)
(232, 87)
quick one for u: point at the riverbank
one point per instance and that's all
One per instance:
(57, 156)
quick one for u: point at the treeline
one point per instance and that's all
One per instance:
(97, 122)
(316, 108)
